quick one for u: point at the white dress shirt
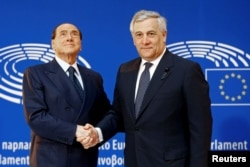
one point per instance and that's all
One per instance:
(151, 69)
(65, 66)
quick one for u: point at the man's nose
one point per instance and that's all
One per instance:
(145, 39)
(69, 37)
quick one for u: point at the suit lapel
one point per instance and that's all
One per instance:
(89, 91)
(63, 84)
(128, 74)
(161, 74)
(131, 82)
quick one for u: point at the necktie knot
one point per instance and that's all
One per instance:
(71, 71)
(75, 81)
(147, 65)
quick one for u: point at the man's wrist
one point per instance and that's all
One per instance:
(99, 132)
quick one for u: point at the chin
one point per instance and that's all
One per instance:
(146, 56)
(70, 51)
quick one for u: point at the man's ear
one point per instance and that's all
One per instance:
(133, 40)
(52, 44)
(165, 36)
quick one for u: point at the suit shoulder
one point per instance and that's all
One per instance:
(36, 67)
(89, 71)
(187, 66)
(132, 64)
(183, 61)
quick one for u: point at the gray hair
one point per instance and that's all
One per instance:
(146, 14)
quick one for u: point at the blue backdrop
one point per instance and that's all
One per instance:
(213, 33)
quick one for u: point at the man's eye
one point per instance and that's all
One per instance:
(138, 35)
(151, 34)
(75, 34)
(63, 34)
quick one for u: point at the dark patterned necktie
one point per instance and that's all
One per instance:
(143, 84)
(75, 82)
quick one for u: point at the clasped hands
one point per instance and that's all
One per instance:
(87, 135)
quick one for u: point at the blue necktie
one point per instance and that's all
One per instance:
(76, 83)
(143, 84)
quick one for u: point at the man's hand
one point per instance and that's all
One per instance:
(81, 132)
(87, 136)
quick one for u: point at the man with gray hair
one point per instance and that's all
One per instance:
(161, 101)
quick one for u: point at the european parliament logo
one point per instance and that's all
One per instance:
(229, 72)
(13, 61)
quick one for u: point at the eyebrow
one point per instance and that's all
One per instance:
(70, 31)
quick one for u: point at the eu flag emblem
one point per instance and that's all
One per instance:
(229, 86)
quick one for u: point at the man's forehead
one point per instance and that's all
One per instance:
(67, 27)
(146, 24)
(145, 29)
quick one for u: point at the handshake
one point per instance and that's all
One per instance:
(87, 135)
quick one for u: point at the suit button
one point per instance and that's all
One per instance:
(136, 129)
(67, 108)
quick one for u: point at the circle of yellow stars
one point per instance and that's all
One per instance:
(240, 94)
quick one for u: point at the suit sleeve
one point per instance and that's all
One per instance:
(42, 122)
(112, 122)
(196, 92)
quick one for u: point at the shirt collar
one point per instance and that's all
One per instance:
(154, 62)
(65, 65)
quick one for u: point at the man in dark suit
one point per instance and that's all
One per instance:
(172, 125)
(54, 109)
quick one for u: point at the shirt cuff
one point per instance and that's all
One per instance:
(99, 131)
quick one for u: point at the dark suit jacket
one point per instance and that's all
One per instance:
(174, 125)
(53, 108)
